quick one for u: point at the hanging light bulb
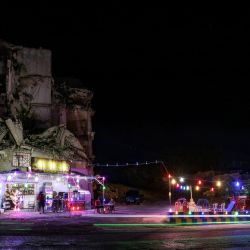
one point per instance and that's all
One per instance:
(173, 181)
(218, 183)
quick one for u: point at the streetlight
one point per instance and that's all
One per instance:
(101, 180)
(103, 190)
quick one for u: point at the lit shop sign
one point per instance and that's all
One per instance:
(21, 160)
(50, 166)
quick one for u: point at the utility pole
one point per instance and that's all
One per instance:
(169, 189)
(169, 182)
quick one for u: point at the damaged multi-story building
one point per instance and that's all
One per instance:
(41, 118)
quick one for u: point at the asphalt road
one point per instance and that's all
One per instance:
(76, 231)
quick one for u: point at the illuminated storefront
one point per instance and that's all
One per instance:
(19, 189)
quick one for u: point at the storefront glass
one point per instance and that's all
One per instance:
(19, 195)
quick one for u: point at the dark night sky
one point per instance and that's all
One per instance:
(161, 77)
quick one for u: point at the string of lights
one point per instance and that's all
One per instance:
(197, 183)
(212, 185)
(125, 164)
(201, 182)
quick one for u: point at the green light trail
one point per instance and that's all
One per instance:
(169, 224)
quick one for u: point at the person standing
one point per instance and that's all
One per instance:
(98, 206)
(41, 202)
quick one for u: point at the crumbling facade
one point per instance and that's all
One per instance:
(40, 117)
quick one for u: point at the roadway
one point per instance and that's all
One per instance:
(131, 227)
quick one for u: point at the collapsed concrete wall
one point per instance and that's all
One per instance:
(52, 119)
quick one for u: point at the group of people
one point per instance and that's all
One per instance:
(57, 203)
(104, 207)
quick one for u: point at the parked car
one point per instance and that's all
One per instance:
(133, 196)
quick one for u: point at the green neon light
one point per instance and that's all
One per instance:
(13, 223)
(170, 224)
